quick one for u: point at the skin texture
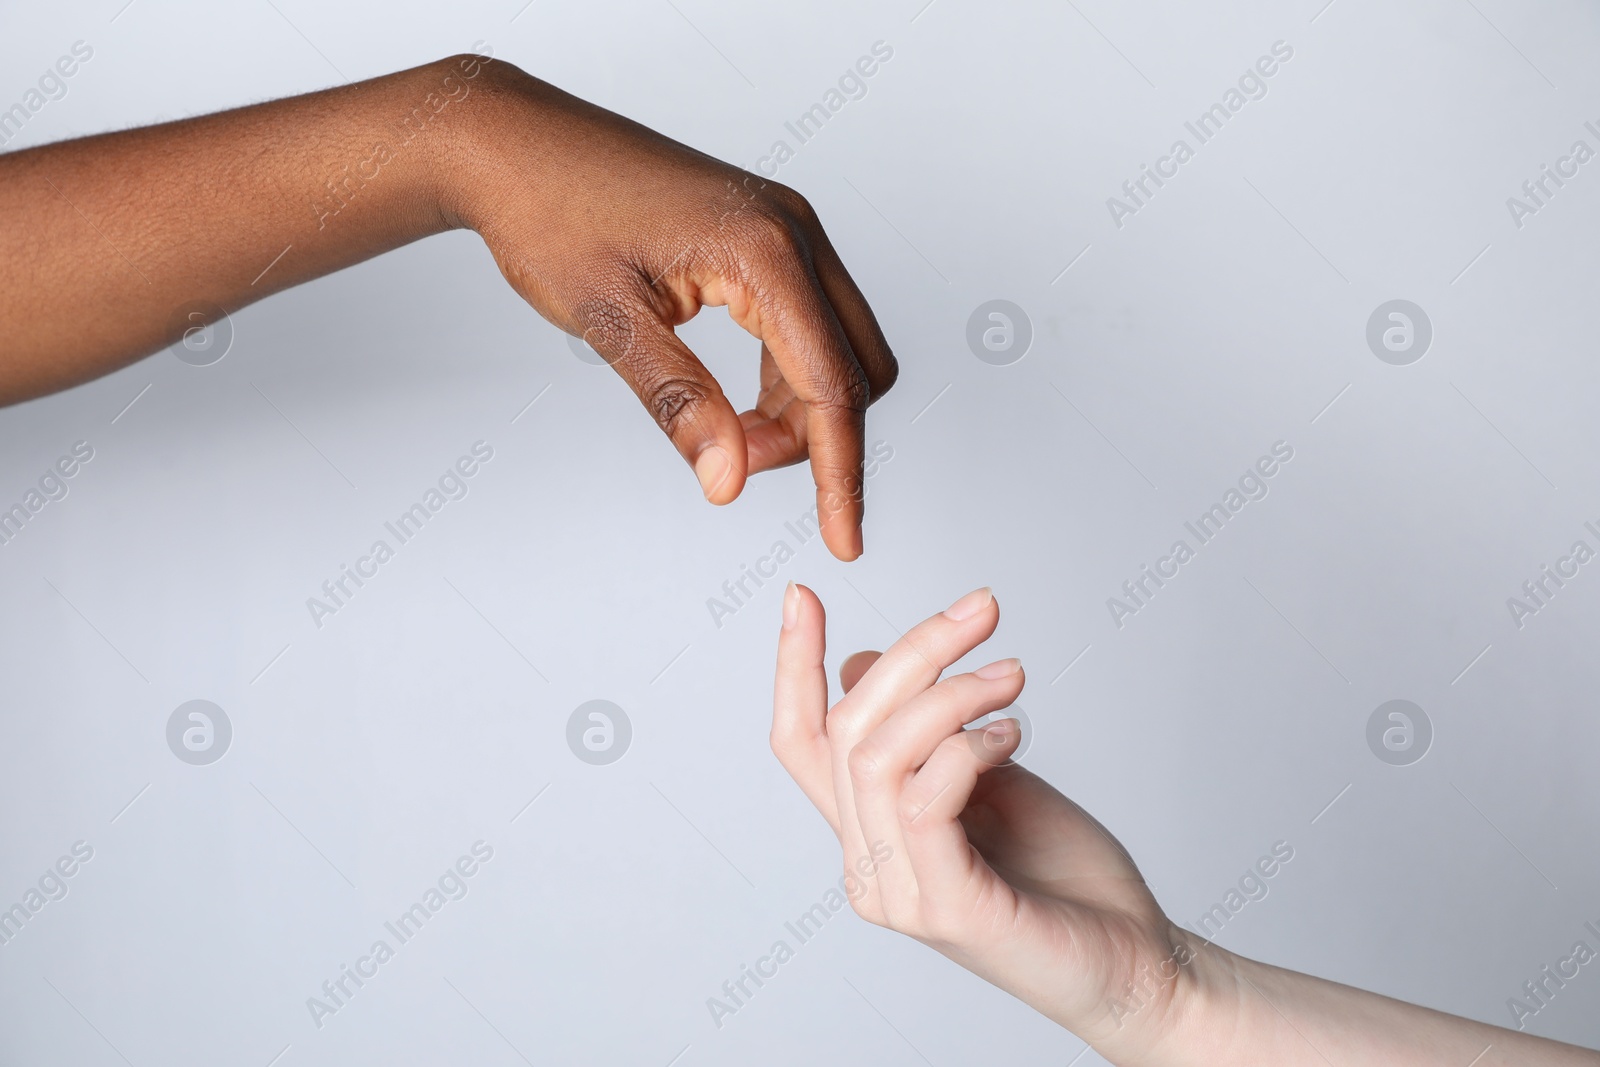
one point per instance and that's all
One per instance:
(114, 245)
(991, 866)
(617, 234)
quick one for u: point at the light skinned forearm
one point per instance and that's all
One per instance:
(222, 209)
(1252, 1014)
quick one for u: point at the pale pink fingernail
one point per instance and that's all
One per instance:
(791, 606)
(997, 732)
(712, 467)
(970, 605)
(1003, 668)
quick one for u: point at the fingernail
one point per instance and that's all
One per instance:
(971, 604)
(1003, 668)
(997, 732)
(712, 467)
(791, 606)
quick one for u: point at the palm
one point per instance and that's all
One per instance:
(1064, 897)
(1006, 876)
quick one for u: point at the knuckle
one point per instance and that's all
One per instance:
(886, 373)
(866, 765)
(847, 391)
(776, 233)
(910, 810)
(956, 745)
(838, 722)
(858, 391)
(835, 725)
(785, 200)
(673, 402)
(847, 476)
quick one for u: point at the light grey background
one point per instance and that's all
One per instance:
(1229, 714)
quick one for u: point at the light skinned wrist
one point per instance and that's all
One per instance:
(1182, 1011)
(1247, 1013)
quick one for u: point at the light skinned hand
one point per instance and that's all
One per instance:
(947, 840)
(991, 866)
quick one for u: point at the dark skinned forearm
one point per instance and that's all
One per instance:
(113, 241)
